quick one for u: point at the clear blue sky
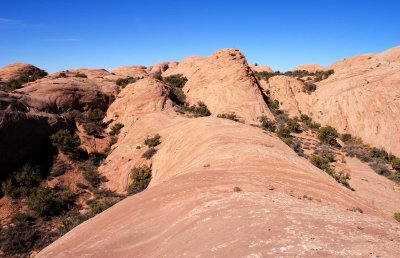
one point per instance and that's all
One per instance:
(58, 35)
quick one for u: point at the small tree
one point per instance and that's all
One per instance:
(268, 124)
(44, 202)
(176, 80)
(396, 163)
(328, 135)
(153, 141)
(65, 141)
(141, 177)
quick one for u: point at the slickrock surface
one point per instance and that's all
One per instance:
(222, 188)
(361, 98)
(224, 82)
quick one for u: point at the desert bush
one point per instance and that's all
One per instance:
(96, 115)
(268, 124)
(326, 153)
(125, 81)
(309, 87)
(65, 141)
(175, 81)
(380, 168)
(80, 75)
(198, 110)
(230, 116)
(396, 163)
(93, 129)
(90, 173)
(149, 153)
(273, 105)
(44, 202)
(30, 77)
(22, 182)
(293, 125)
(116, 128)
(178, 96)
(283, 131)
(141, 177)
(320, 162)
(395, 177)
(396, 216)
(328, 135)
(18, 238)
(346, 137)
(153, 141)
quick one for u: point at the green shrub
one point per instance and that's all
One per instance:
(198, 110)
(273, 105)
(116, 128)
(395, 177)
(328, 135)
(141, 177)
(293, 125)
(96, 115)
(65, 141)
(396, 163)
(149, 153)
(125, 81)
(43, 202)
(396, 216)
(346, 137)
(268, 124)
(320, 162)
(283, 131)
(309, 87)
(81, 75)
(178, 96)
(380, 168)
(230, 116)
(31, 76)
(22, 182)
(153, 141)
(93, 129)
(90, 172)
(326, 153)
(175, 81)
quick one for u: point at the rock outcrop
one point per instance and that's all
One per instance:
(225, 83)
(236, 187)
(13, 71)
(361, 98)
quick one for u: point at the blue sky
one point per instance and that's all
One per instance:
(58, 35)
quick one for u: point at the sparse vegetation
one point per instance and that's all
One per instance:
(198, 110)
(309, 87)
(65, 141)
(116, 128)
(153, 141)
(80, 75)
(268, 124)
(96, 115)
(175, 81)
(141, 177)
(318, 75)
(22, 182)
(32, 76)
(396, 216)
(125, 81)
(293, 125)
(230, 116)
(328, 135)
(44, 202)
(149, 153)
